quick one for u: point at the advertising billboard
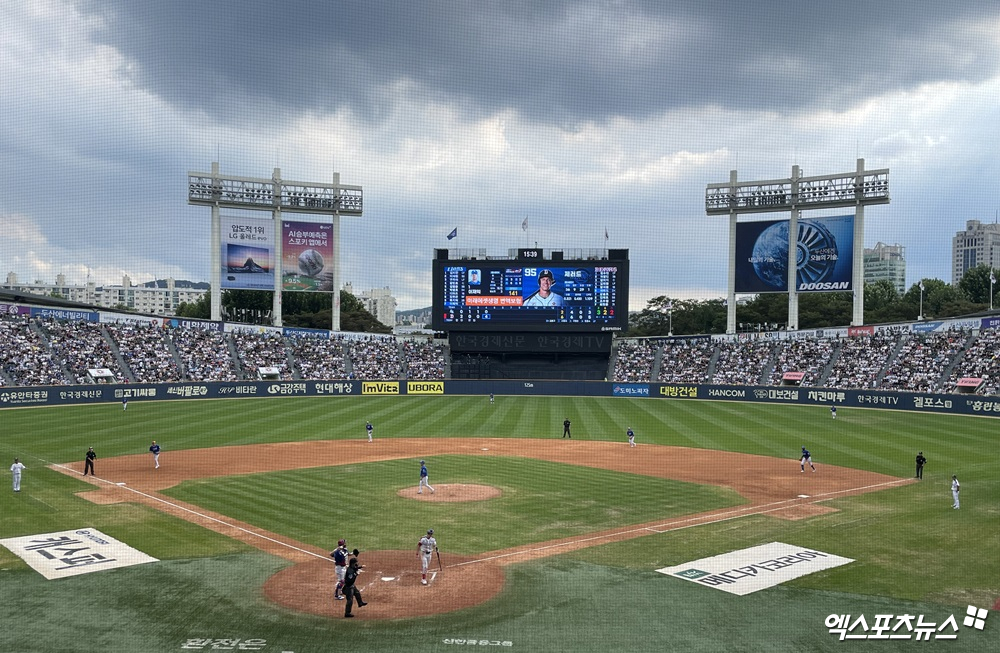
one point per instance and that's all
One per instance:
(306, 256)
(491, 295)
(247, 253)
(824, 255)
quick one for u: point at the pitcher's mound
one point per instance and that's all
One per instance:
(453, 492)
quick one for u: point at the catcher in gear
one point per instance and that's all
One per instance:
(425, 547)
(339, 556)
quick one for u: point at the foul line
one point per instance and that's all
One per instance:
(689, 522)
(665, 527)
(199, 514)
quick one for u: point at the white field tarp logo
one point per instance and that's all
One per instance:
(71, 553)
(754, 569)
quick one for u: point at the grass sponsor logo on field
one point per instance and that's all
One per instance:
(751, 570)
(71, 553)
(691, 574)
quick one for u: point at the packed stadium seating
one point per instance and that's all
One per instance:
(53, 352)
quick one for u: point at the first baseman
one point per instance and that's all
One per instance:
(631, 437)
(423, 480)
(425, 547)
(155, 450)
(806, 458)
(369, 428)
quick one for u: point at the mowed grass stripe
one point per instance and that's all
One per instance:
(541, 501)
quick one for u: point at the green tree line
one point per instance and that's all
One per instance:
(309, 310)
(769, 311)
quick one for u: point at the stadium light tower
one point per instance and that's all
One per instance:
(850, 189)
(276, 196)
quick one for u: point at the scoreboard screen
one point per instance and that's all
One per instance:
(530, 295)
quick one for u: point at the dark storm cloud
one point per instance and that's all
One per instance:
(553, 61)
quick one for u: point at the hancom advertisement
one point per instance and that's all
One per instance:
(824, 255)
(306, 256)
(247, 253)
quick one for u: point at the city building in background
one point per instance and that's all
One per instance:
(886, 262)
(160, 297)
(979, 244)
(377, 301)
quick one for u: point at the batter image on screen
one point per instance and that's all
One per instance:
(545, 295)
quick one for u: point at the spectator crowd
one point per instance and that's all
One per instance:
(55, 352)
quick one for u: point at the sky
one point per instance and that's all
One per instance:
(581, 117)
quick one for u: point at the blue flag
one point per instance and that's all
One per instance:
(453, 234)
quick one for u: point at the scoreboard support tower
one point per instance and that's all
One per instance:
(850, 189)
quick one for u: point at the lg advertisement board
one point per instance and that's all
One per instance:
(824, 255)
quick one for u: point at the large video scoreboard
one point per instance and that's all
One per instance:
(530, 295)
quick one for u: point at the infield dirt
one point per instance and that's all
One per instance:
(391, 582)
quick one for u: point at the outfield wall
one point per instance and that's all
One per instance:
(953, 404)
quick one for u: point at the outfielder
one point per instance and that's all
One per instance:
(15, 469)
(370, 429)
(339, 556)
(955, 487)
(806, 458)
(423, 480)
(631, 437)
(425, 547)
(155, 450)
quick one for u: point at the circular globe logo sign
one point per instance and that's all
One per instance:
(815, 256)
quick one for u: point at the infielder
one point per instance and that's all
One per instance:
(15, 469)
(423, 480)
(155, 450)
(806, 458)
(631, 437)
(369, 428)
(955, 487)
(339, 556)
(425, 547)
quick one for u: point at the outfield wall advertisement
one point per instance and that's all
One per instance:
(824, 255)
(800, 396)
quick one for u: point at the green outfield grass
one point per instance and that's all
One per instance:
(913, 553)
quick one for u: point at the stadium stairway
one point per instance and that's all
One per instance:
(116, 352)
(945, 379)
(828, 369)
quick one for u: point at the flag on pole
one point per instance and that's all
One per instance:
(993, 278)
(453, 234)
(670, 304)
(605, 234)
(921, 285)
(524, 224)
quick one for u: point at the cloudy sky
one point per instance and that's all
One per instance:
(580, 115)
